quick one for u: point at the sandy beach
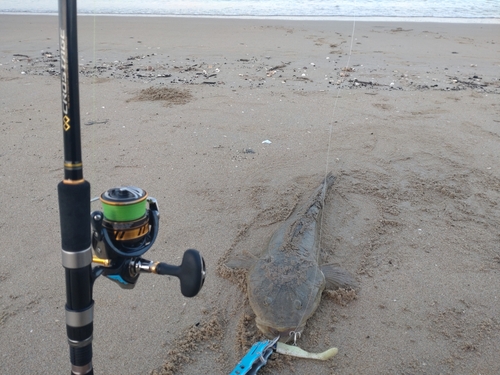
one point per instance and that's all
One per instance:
(406, 115)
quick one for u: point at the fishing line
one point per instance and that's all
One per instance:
(339, 90)
(296, 334)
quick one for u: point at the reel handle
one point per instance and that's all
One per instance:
(191, 272)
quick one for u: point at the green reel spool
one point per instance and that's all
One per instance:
(125, 215)
(124, 203)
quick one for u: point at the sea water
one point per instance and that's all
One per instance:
(473, 10)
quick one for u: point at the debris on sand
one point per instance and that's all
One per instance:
(168, 95)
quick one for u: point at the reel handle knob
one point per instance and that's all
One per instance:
(191, 272)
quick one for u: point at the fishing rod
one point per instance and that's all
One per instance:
(121, 234)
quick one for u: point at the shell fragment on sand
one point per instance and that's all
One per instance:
(295, 351)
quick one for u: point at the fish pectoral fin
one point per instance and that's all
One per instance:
(337, 277)
(244, 261)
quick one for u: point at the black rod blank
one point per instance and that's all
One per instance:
(74, 204)
(68, 42)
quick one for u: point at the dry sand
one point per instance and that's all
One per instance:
(415, 143)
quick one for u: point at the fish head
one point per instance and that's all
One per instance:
(284, 294)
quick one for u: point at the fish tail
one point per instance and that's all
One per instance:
(329, 180)
(327, 184)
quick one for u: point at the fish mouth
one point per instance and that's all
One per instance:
(286, 334)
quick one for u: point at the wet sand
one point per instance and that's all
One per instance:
(408, 122)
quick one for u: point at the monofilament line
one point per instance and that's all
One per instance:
(339, 90)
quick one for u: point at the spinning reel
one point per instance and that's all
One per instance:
(125, 230)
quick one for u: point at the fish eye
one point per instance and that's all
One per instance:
(297, 304)
(267, 301)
